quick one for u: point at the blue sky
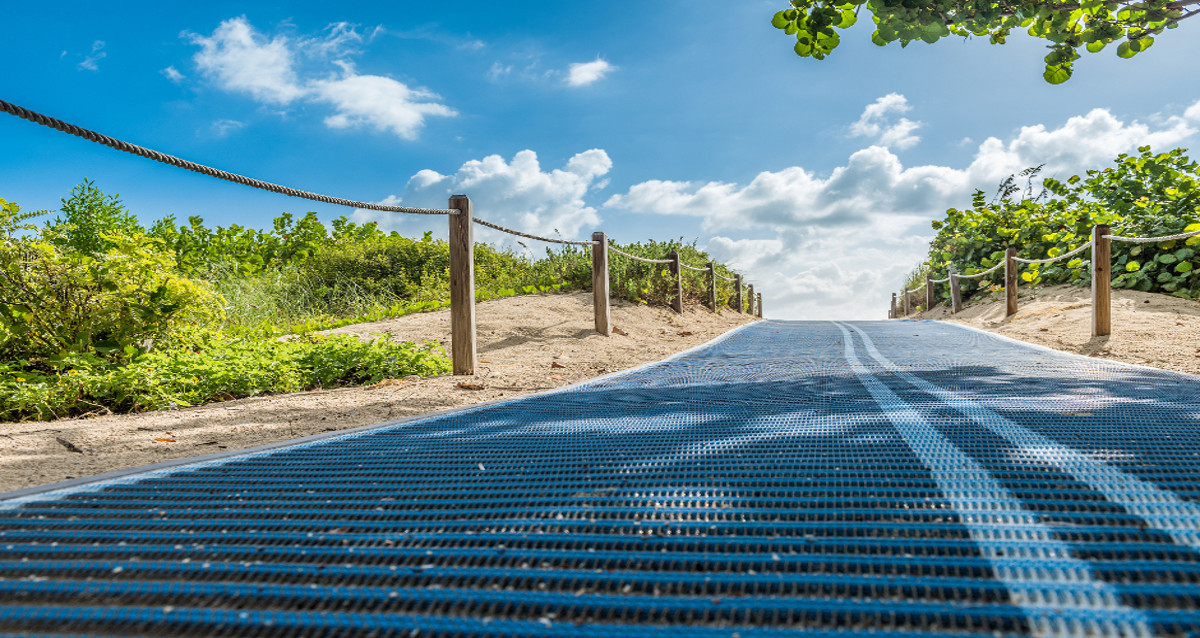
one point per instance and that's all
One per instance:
(658, 120)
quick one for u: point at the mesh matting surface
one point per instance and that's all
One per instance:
(868, 478)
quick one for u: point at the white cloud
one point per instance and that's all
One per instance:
(172, 74)
(278, 71)
(585, 73)
(517, 194)
(221, 128)
(379, 102)
(239, 58)
(499, 71)
(838, 244)
(91, 61)
(876, 122)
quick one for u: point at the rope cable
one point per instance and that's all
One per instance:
(141, 151)
(693, 268)
(649, 261)
(1051, 260)
(518, 233)
(979, 274)
(1147, 240)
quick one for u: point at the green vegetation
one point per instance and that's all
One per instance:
(99, 314)
(1069, 27)
(1143, 195)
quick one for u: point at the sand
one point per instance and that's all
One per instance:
(1148, 329)
(526, 344)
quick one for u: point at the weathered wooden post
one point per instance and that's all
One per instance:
(750, 301)
(737, 284)
(462, 286)
(905, 296)
(930, 298)
(1101, 281)
(1010, 282)
(600, 284)
(758, 307)
(712, 286)
(955, 293)
(677, 303)
(892, 311)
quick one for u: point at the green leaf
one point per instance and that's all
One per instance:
(1183, 266)
(779, 21)
(1133, 266)
(1057, 74)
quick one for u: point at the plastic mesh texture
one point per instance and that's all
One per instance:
(886, 478)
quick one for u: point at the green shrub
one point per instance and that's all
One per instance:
(89, 220)
(55, 300)
(222, 368)
(1144, 195)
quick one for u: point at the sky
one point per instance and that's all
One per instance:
(661, 120)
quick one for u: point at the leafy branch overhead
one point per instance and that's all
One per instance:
(1068, 26)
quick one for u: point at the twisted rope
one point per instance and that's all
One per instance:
(725, 278)
(1054, 259)
(941, 281)
(1147, 240)
(528, 236)
(917, 289)
(649, 261)
(979, 274)
(140, 151)
(692, 268)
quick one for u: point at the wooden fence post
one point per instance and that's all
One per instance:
(677, 303)
(930, 298)
(750, 301)
(904, 297)
(1101, 281)
(1010, 282)
(955, 293)
(892, 311)
(712, 286)
(737, 284)
(462, 286)
(600, 292)
(758, 307)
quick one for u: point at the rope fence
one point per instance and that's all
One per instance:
(147, 153)
(635, 257)
(528, 236)
(462, 248)
(1101, 269)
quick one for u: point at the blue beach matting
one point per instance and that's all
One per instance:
(864, 478)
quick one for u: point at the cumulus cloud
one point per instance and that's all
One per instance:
(585, 73)
(279, 71)
(379, 102)
(518, 194)
(877, 121)
(91, 61)
(240, 59)
(841, 242)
